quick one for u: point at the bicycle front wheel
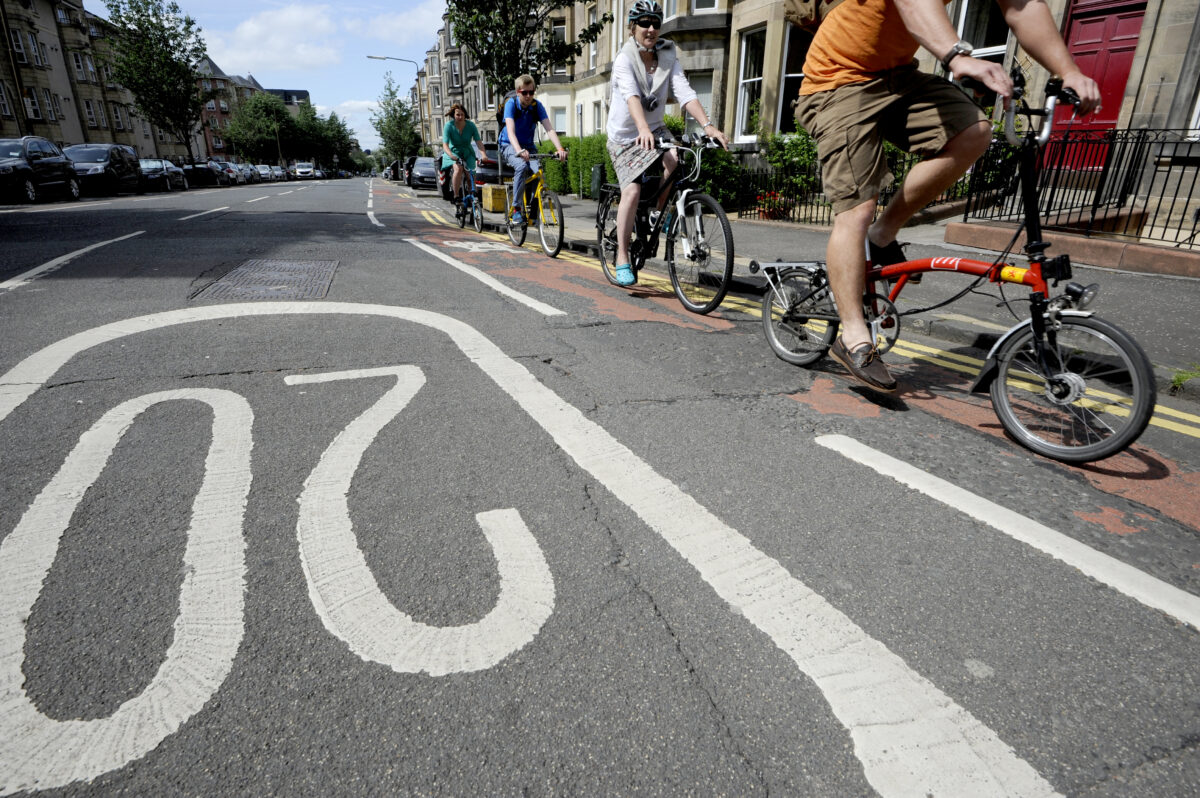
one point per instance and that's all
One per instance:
(460, 213)
(798, 318)
(700, 258)
(477, 215)
(1094, 398)
(552, 225)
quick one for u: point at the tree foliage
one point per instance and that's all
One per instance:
(154, 53)
(503, 48)
(260, 128)
(395, 122)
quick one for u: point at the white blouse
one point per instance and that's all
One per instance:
(621, 128)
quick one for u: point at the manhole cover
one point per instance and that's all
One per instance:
(274, 279)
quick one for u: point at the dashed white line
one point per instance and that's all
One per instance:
(256, 199)
(374, 221)
(62, 260)
(203, 213)
(1126, 579)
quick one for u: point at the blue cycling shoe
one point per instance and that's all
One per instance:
(625, 275)
(517, 218)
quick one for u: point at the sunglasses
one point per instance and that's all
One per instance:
(528, 92)
(649, 22)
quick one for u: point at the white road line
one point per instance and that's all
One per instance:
(347, 596)
(38, 752)
(1126, 579)
(256, 199)
(374, 221)
(281, 193)
(203, 213)
(911, 738)
(78, 206)
(62, 260)
(489, 281)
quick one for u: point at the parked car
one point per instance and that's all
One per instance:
(487, 168)
(236, 176)
(161, 174)
(208, 173)
(305, 171)
(32, 166)
(248, 172)
(445, 180)
(318, 174)
(264, 173)
(278, 173)
(424, 173)
(105, 168)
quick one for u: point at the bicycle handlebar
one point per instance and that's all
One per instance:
(1055, 91)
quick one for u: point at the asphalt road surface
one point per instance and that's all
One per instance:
(304, 490)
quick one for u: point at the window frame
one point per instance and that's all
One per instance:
(33, 109)
(5, 106)
(90, 112)
(50, 114)
(18, 46)
(741, 118)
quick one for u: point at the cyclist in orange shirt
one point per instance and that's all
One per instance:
(861, 87)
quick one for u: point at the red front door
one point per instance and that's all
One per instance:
(1102, 37)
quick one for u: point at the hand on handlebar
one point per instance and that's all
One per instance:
(988, 73)
(645, 139)
(1085, 89)
(561, 154)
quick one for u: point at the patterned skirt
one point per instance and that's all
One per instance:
(631, 161)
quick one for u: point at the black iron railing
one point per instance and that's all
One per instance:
(795, 195)
(1140, 184)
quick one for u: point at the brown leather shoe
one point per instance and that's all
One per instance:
(864, 365)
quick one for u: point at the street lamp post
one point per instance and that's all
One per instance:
(394, 58)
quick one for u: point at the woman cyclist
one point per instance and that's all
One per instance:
(643, 73)
(457, 149)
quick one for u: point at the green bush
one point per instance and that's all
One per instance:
(720, 177)
(794, 154)
(575, 175)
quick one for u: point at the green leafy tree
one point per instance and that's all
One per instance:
(155, 51)
(395, 122)
(503, 48)
(259, 128)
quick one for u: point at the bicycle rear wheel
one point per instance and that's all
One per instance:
(552, 225)
(701, 273)
(1097, 399)
(460, 213)
(606, 233)
(788, 310)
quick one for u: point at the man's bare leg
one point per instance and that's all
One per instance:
(846, 262)
(927, 180)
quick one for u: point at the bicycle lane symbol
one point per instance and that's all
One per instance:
(909, 736)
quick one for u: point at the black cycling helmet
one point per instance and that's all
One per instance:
(644, 8)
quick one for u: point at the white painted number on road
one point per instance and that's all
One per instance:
(345, 593)
(37, 752)
(478, 246)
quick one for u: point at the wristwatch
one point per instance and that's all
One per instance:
(960, 48)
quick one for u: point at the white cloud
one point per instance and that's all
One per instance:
(291, 38)
(413, 26)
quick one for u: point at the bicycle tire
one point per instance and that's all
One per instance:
(551, 224)
(516, 232)
(606, 234)
(787, 312)
(477, 215)
(701, 278)
(460, 213)
(1097, 403)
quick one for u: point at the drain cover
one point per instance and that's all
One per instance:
(274, 279)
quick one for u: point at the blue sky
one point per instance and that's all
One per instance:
(318, 47)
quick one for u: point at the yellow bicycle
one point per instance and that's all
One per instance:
(542, 208)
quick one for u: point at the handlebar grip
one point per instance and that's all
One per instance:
(1069, 96)
(973, 85)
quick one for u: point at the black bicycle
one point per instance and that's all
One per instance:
(695, 230)
(470, 205)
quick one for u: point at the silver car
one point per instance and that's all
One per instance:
(305, 171)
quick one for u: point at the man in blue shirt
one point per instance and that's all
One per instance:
(522, 114)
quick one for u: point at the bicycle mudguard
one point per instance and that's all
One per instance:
(983, 382)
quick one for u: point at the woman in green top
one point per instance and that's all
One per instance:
(456, 146)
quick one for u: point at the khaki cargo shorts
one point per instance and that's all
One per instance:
(917, 112)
